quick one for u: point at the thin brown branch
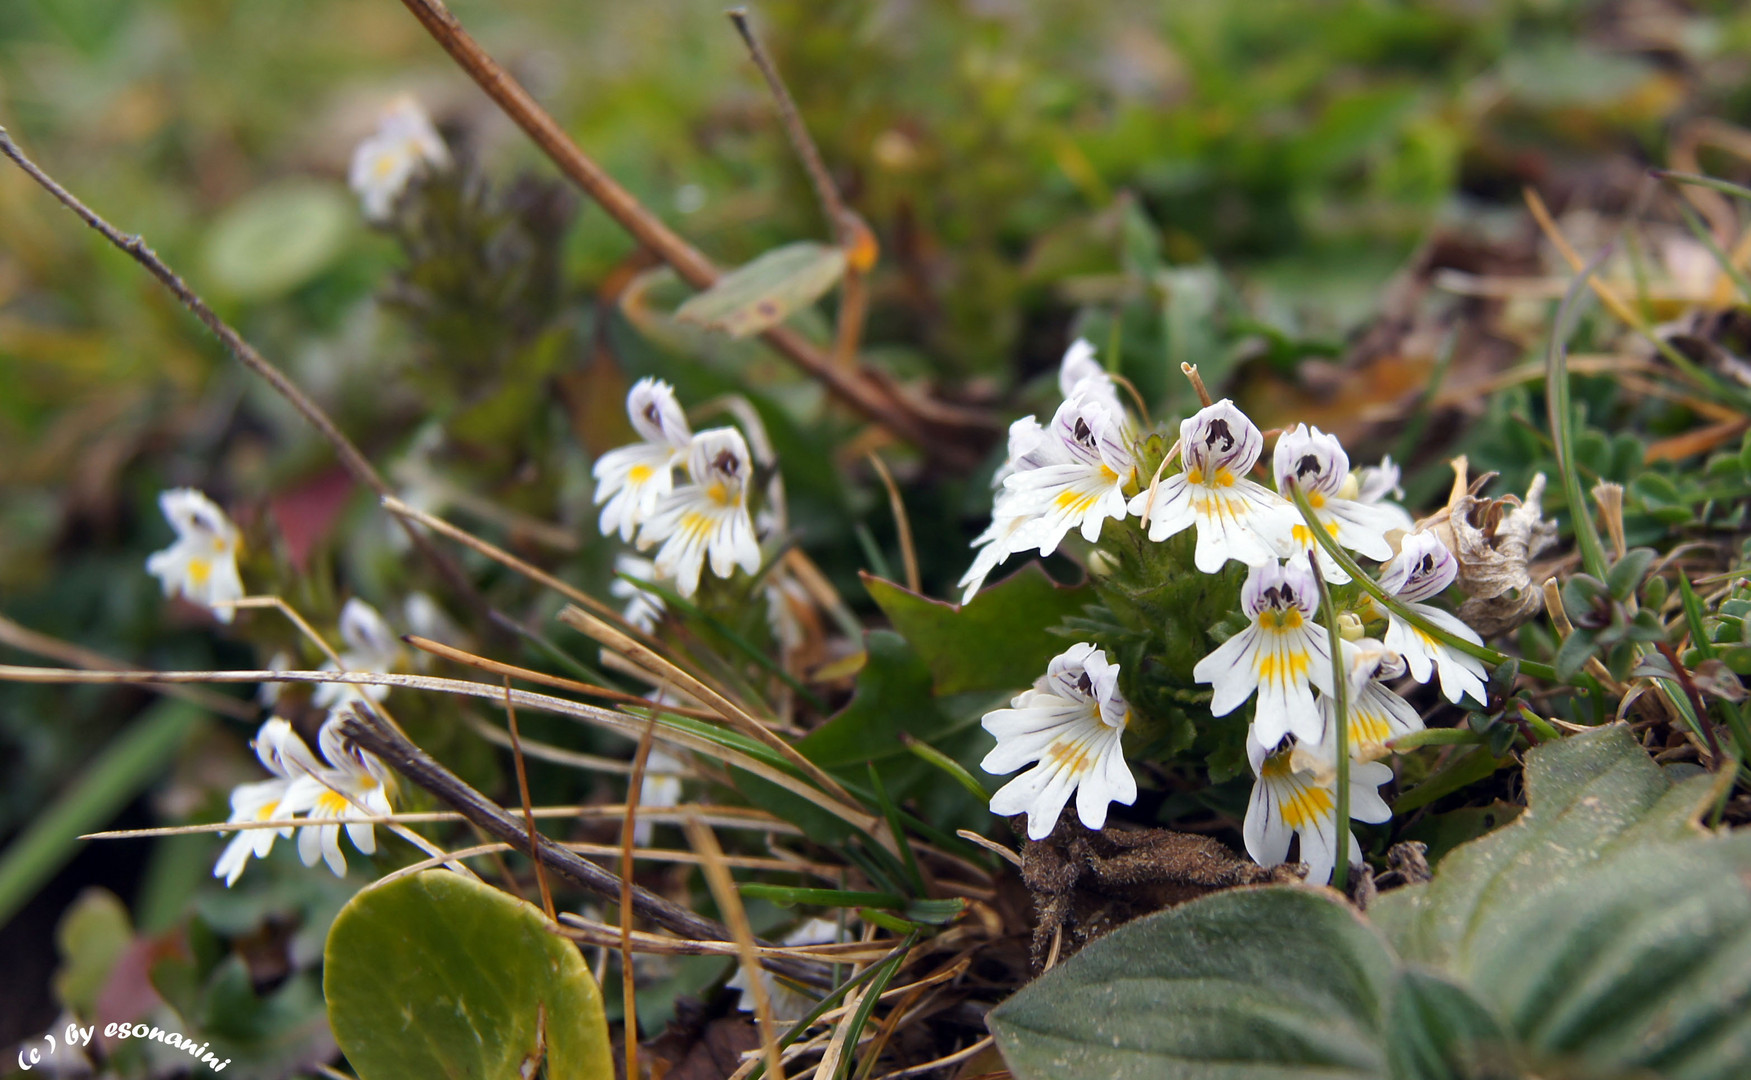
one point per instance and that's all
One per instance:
(355, 463)
(856, 390)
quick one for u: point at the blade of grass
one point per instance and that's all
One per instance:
(907, 860)
(1562, 419)
(120, 772)
(790, 896)
(1340, 684)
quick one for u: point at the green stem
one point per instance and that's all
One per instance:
(1400, 609)
(1340, 685)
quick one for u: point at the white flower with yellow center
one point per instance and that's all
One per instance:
(1376, 714)
(1296, 795)
(370, 647)
(1080, 483)
(1283, 655)
(1072, 723)
(1423, 568)
(633, 479)
(1236, 518)
(201, 566)
(355, 784)
(708, 517)
(404, 143)
(284, 754)
(1315, 462)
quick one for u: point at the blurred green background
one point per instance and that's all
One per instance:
(1235, 183)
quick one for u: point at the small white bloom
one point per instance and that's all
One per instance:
(354, 784)
(1008, 534)
(283, 754)
(1296, 795)
(1072, 723)
(370, 647)
(1026, 438)
(1080, 373)
(1423, 568)
(789, 1005)
(707, 517)
(404, 143)
(643, 609)
(1376, 714)
(1283, 655)
(1310, 459)
(1080, 483)
(659, 790)
(201, 565)
(1236, 518)
(633, 479)
(1378, 485)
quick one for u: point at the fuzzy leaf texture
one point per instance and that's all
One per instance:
(1601, 934)
(439, 975)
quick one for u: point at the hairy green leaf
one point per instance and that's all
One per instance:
(763, 293)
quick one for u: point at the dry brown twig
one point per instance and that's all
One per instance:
(868, 395)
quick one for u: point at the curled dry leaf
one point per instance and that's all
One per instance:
(1495, 541)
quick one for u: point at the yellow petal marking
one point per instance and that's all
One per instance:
(1069, 755)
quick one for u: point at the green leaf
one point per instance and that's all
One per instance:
(276, 239)
(999, 641)
(1438, 1031)
(893, 695)
(92, 936)
(1628, 572)
(763, 293)
(1279, 983)
(439, 975)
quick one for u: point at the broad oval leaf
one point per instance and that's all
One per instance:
(1243, 985)
(440, 975)
(276, 239)
(765, 292)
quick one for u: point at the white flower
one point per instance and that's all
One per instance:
(201, 565)
(643, 609)
(404, 143)
(1080, 482)
(371, 647)
(1080, 373)
(1236, 518)
(1026, 437)
(1282, 655)
(1373, 485)
(1315, 462)
(707, 517)
(1072, 723)
(355, 784)
(1423, 568)
(1296, 794)
(1376, 714)
(789, 1006)
(632, 479)
(659, 789)
(1008, 534)
(284, 754)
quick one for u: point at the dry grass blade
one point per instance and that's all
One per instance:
(629, 828)
(31, 641)
(735, 715)
(729, 901)
(541, 751)
(482, 663)
(964, 1054)
(722, 817)
(528, 807)
(902, 522)
(591, 932)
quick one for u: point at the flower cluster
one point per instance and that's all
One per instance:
(702, 519)
(1073, 475)
(346, 784)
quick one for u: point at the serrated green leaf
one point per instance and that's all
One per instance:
(440, 975)
(999, 641)
(763, 293)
